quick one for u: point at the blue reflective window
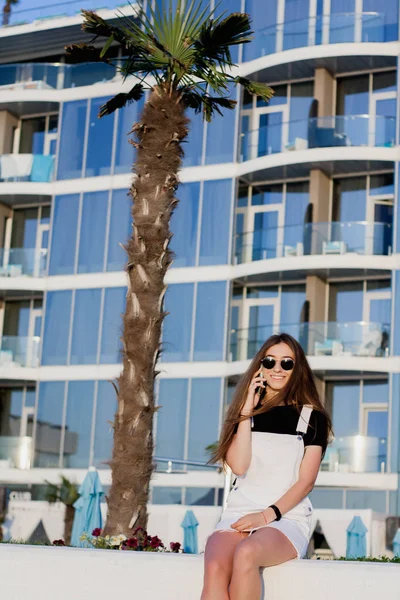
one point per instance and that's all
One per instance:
(346, 302)
(269, 194)
(78, 424)
(120, 229)
(330, 498)
(100, 141)
(342, 21)
(166, 495)
(73, 127)
(106, 407)
(193, 145)
(63, 241)
(292, 303)
(171, 418)
(270, 133)
(301, 99)
(375, 391)
(200, 496)
(49, 420)
(184, 224)
(125, 153)
(56, 328)
(265, 28)
(177, 327)
(382, 184)
(114, 306)
(216, 222)
(349, 208)
(93, 232)
(11, 411)
(85, 330)
(263, 292)
(221, 134)
(383, 25)
(205, 405)
(296, 24)
(210, 321)
(297, 201)
(345, 408)
(366, 499)
(353, 103)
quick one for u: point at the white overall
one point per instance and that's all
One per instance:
(274, 468)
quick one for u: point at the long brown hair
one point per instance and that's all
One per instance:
(299, 390)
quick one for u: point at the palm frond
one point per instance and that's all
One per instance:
(79, 53)
(217, 36)
(121, 100)
(255, 87)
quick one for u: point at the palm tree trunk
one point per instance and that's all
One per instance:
(6, 12)
(68, 523)
(160, 132)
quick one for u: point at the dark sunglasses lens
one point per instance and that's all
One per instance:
(268, 363)
(287, 364)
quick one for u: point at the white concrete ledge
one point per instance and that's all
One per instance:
(41, 573)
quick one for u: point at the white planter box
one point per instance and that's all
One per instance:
(45, 573)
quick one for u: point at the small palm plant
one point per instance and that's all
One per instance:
(67, 493)
(182, 58)
(7, 10)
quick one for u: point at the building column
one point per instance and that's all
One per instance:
(324, 92)
(5, 214)
(8, 124)
(316, 296)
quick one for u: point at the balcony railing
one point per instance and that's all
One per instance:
(335, 28)
(16, 262)
(58, 10)
(317, 339)
(15, 452)
(54, 75)
(318, 132)
(356, 454)
(332, 238)
(26, 167)
(19, 351)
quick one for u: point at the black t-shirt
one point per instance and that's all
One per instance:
(284, 419)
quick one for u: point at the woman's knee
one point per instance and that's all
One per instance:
(246, 554)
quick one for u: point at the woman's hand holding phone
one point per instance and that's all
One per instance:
(256, 386)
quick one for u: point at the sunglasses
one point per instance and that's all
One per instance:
(287, 364)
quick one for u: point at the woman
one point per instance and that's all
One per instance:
(274, 437)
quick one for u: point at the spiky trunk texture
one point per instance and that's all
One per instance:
(159, 134)
(68, 523)
(6, 13)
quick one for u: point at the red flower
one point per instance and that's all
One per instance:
(58, 543)
(139, 530)
(131, 543)
(96, 532)
(155, 542)
(175, 546)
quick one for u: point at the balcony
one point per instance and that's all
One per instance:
(53, 76)
(308, 239)
(17, 262)
(317, 339)
(337, 28)
(15, 452)
(356, 454)
(26, 167)
(19, 351)
(318, 132)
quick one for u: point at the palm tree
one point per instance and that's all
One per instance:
(7, 10)
(182, 58)
(67, 493)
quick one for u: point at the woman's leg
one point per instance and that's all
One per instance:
(266, 547)
(218, 559)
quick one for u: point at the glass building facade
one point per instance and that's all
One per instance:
(288, 220)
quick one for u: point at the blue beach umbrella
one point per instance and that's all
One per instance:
(356, 546)
(396, 543)
(190, 524)
(87, 508)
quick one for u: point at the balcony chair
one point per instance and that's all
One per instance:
(297, 250)
(338, 247)
(297, 144)
(328, 348)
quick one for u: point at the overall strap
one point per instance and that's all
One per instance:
(304, 419)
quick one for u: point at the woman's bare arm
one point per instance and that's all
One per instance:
(307, 475)
(238, 456)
